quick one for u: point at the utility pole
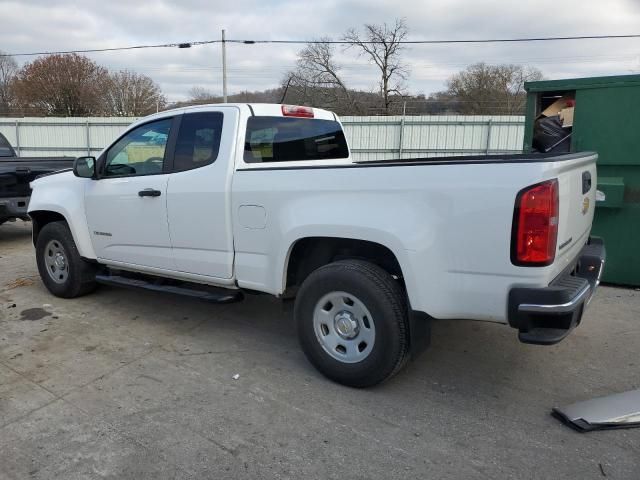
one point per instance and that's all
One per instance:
(401, 143)
(224, 68)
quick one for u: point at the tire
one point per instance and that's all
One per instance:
(352, 322)
(67, 278)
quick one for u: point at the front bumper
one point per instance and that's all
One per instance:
(545, 316)
(14, 207)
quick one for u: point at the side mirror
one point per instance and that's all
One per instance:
(85, 167)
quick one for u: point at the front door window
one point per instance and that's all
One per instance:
(139, 152)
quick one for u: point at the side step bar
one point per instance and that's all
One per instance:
(211, 294)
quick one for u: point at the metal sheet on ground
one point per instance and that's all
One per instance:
(621, 410)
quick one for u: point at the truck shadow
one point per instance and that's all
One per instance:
(15, 231)
(473, 364)
(465, 360)
(466, 350)
(463, 354)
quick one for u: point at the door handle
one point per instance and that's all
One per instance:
(149, 192)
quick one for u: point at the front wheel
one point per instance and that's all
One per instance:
(62, 270)
(353, 323)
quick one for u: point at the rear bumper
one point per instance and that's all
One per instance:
(545, 316)
(13, 207)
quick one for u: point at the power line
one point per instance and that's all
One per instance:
(427, 42)
(112, 49)
(340, 42)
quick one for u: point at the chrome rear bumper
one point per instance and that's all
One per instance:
(545, 316)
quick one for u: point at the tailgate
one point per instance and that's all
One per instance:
(577, 195)
(13, 185)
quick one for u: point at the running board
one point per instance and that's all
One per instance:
(212, 294)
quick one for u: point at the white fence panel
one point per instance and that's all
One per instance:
(370, 138)
(71, 136)
(383, 138)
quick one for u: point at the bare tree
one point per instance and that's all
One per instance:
(483, 89)
(200, 95)
(8, 70)
(62, 85)
(382, 44)
(131, 94)
(317, 79)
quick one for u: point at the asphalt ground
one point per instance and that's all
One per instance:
(132, 384)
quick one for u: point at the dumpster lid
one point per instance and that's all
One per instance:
(582, 83)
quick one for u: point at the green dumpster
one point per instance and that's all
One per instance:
(605, 117)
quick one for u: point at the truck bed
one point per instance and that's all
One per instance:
(453, 216)
(16, 173)
(15, 176)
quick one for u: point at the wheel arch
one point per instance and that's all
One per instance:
(307, 254)
(42, 217)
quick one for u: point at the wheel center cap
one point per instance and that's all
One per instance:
(60, 262)
(346, 325)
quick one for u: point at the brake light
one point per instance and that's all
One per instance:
(297, 111)
(535, 225)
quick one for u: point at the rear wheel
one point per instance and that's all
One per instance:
(352, 322)
(62, 270)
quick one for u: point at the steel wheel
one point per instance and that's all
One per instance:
(55, 259)
(344, 327)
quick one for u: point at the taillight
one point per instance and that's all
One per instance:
(535, 225)
(297, 111)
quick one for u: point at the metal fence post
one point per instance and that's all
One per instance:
(17, 138)
(88, 139)
(488, 136)
(404, 112)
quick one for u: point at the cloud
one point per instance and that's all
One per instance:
(37, 25)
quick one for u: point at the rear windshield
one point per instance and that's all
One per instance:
(284, 139)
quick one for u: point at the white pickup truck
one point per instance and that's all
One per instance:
(214, 200)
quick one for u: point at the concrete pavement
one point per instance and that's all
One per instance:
(130, 384)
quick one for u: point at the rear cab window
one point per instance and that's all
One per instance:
(285, 139)
(198, 141)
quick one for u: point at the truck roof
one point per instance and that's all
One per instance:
(260, 109)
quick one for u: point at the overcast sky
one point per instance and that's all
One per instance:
(37, 25)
